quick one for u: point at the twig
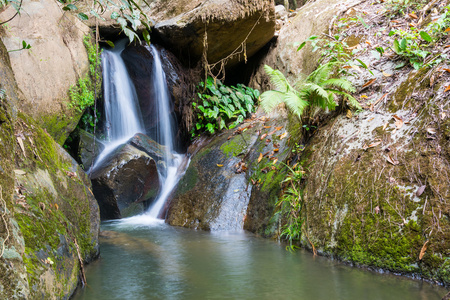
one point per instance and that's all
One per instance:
(17, 12)
(80, 259)
(4, 221)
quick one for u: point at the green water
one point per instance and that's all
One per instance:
(156, 261)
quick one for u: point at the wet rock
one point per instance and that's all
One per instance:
(88, 148)
(224, 177)
(127, 184)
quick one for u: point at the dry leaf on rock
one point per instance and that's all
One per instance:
(420, 190)
(422, 251)
(391, 160)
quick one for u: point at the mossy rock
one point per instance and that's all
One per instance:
(226, 185)
(363, 197)
(55, 210)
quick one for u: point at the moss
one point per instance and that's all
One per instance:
(55, 213)
(234, 146)
(188, 182)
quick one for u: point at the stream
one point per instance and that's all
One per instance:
(153, 260)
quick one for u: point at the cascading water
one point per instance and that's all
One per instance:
(122, 113)
(169, 175)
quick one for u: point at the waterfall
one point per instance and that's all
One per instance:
(122, 113)
(169, 175)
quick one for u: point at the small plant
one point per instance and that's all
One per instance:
(319, 89)
(291, 206)
(411, 47)
(82, 95)
(218, 105)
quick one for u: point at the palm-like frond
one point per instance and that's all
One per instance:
(350, 99)
(277, 79)
(295, 103)
(339, 83)
(271, 99)
(321, 74)
(316, 95)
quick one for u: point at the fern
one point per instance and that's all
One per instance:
(318, 90)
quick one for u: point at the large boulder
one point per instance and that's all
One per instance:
(227, 182)
(219, 29)
(129, 181)
(311, 19)
(50, 219)
(378, 193)
(56, 60)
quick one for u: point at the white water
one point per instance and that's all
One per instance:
(164, 136)
(124, 120)
(122, 113)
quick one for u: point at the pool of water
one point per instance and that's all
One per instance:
(157, 261)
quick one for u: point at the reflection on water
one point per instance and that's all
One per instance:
(156, 261)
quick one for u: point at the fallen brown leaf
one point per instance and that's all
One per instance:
(283, 135)
(219, 165)
(447, 89)
(392, 161)
(260, 157)
(263, 136)
(398, 121)
(372, 107)
(369, 82)
(413, 15)
(422, 251)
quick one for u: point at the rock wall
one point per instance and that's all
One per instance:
(56, 60)
(50, 219)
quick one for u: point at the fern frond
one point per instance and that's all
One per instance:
(277, 79)
(321, 74)
(350, 99)
(295, 103)
(271, 99)
(317, 95)
(340, 83)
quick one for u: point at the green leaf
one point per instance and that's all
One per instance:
(426, 36)
(130, 34)
(111, 44)
(362, 21)
(403, 44)
(69, 7)
(146, 36)
(83, 17)
(397, 46)
(301, 46)
(95, 14)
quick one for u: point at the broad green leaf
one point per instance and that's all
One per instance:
(426, 36)
(397, 46)
(403, 44)
(69, 7)
(146, 36)
(83, 17)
